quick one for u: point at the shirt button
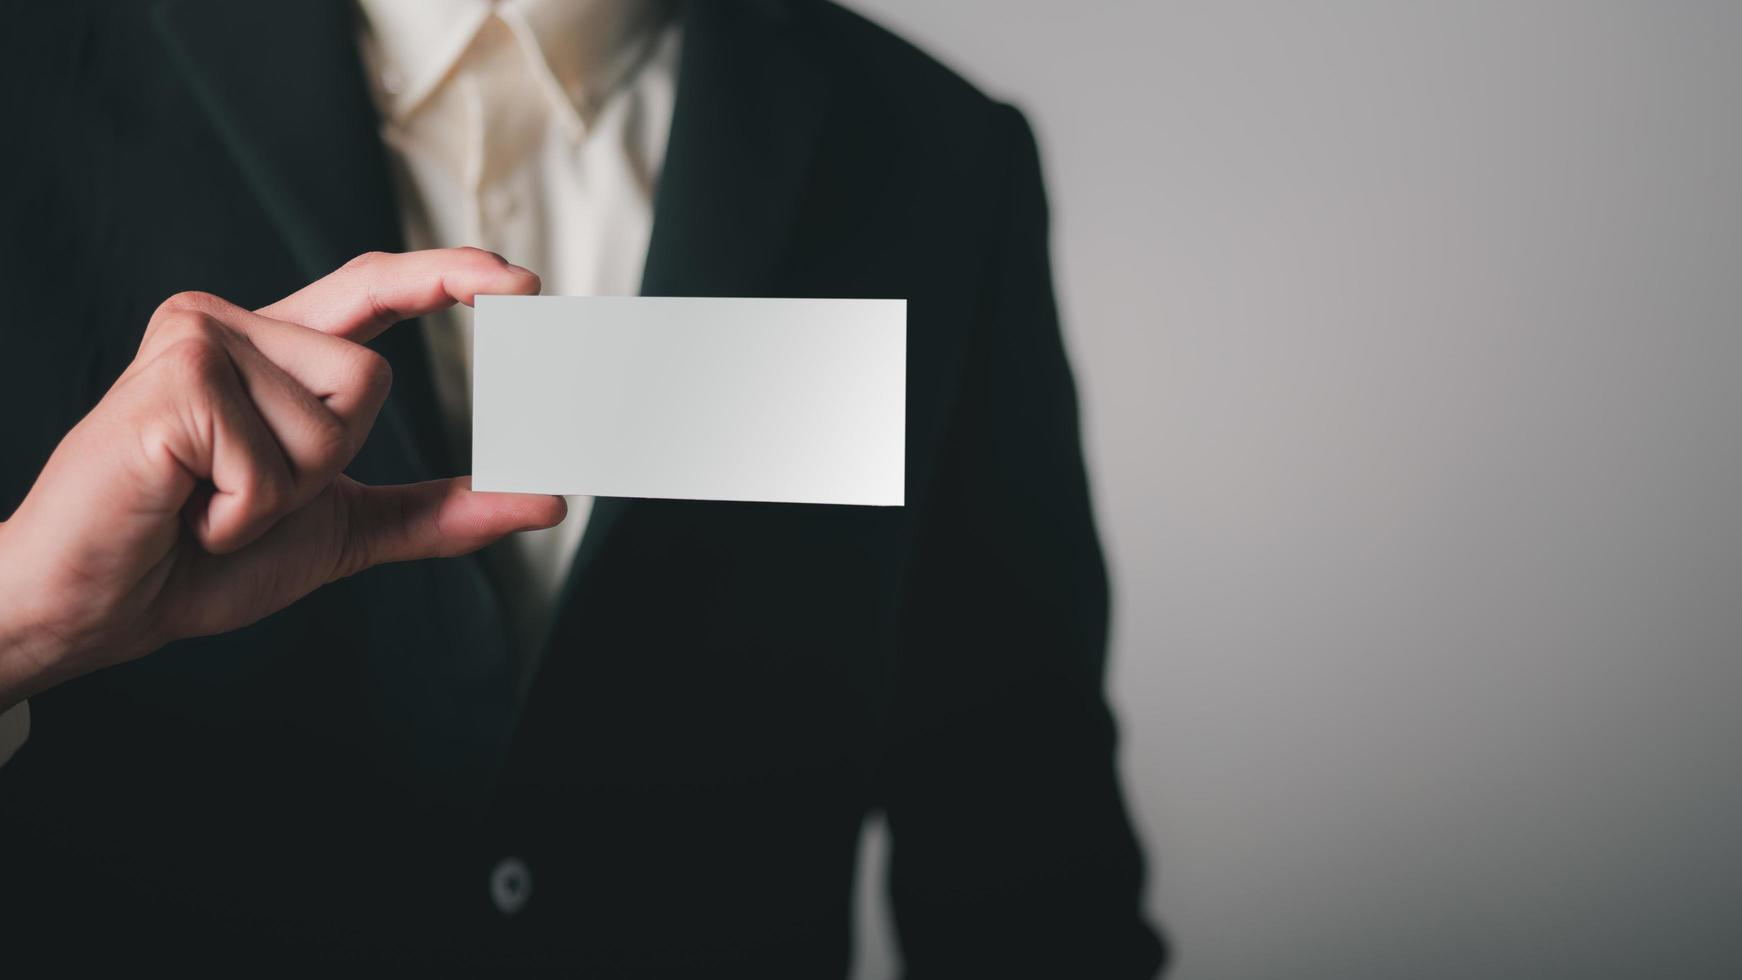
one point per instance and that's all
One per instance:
(510, 885)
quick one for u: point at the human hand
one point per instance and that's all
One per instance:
(204, 492)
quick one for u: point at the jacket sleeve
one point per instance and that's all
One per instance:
(1012, 853)
(14, 730)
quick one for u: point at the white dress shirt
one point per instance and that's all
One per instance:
(532, 128)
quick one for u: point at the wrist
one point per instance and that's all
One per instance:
(30, 653)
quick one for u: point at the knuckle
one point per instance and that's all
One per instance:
(183, 320)
(371, 373)
(353, 550)
(267, 489)
(366, 260)
(481, 256)
(329, 443)
(191, 300)
(196, 362)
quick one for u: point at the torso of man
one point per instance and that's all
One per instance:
(731, 688)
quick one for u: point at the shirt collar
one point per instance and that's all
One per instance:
(582, 48)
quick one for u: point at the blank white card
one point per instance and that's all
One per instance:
(795, 400)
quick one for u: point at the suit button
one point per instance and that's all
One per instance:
(510, 885)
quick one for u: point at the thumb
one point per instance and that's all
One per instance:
(435, 519)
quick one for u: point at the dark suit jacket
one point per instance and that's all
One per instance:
(730, 688)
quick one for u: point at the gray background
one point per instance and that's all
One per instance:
(1411, 340)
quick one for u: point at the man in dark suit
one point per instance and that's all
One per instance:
(273, 710)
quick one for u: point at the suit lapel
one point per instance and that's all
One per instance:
(744, 128)
(283, 86)
(749, 110)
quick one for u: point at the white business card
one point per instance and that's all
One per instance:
(791, 400)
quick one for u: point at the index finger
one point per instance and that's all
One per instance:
(375, 290)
